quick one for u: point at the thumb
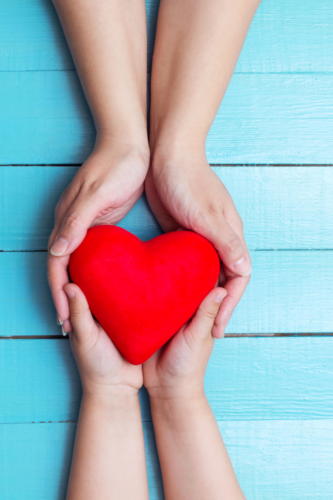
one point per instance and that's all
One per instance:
(203, 321)
(74, 226)
(80, 315)
(231, 249)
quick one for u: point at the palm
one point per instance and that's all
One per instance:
(174, 361)
(196, 199)
(103, 362)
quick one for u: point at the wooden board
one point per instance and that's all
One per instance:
(283, 460)
(49, 114)
(42, 456)
(247, 379)
(281, 207)
(290, 292)
(272, 397)
(285, 36)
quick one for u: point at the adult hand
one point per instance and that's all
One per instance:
(103, 191)
(190, 195)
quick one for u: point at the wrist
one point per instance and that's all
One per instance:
(111, 400)
(168, 158)
(108, 392)
(174, 411)
(110, 140)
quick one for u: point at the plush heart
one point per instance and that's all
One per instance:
(142, 293)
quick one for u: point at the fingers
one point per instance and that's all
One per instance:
(81, 317)
(235, 288)
(58, 278)
(165, 220)
(74, 225)
(230, 248)
(203, 320)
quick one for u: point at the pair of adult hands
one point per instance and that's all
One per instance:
(109, 184)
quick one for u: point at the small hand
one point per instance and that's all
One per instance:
(194, 197)
(179, 367)
(103, 370)
(103, 191)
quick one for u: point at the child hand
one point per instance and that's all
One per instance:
(179, 367)
(103, 370)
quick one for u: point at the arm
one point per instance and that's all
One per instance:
(194, 460)
(108, 43)
(197, 46)
(109, 454)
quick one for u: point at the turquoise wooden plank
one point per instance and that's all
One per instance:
(31, 37)
(48, 113)
(273, 459)
(27, 209)
(285, 36)
(290, 292)
(35, 461)
(247, 379)
(281, 207)
(283, 460)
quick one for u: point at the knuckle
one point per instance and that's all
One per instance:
(73, 221)
(75, 312)
(60, 202)
(211, 315)
(232, 244)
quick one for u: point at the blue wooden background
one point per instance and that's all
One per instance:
(270, 381)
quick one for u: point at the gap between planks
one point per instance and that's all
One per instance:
(43, 250)
(211, 164)
(227, 335)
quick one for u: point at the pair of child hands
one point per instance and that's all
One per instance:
(175, 369)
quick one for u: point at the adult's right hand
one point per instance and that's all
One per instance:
(103, 191)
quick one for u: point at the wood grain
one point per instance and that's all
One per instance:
(290, 292)
(272, 397)
(49, 114)
(281, 207)
(285, 36)
(273, 459)
(246, 379)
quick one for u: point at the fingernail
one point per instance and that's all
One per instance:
(219, 297)
(59, 247)
(63, 332)
(224, 321)
(70, 293)
(221, 334)
(59, 322)
(242, 266)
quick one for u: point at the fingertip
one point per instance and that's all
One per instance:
(66, 327)
(242, 266)
(73, 291)
(217, 332)
(59, 247)
(70, 293)
(220, 294)
(76, 298)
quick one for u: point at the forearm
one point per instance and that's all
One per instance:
(193, 458)
(109, 455)
(196, 50)
(107, 40)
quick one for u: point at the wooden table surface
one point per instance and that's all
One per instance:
(270, 382)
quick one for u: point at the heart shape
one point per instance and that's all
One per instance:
(142, 293)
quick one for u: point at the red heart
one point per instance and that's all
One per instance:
(142, 293)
